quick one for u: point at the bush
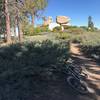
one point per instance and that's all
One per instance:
(27, 68)
(44, 28)
(32, 58)
(66, 27)
(57, 29)
(90, 44)
(84, 27)
(76, 38)
(39, 30)
(63, 35)
(76, 31)
(69, 27)
(31, 31)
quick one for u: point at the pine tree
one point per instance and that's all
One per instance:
(8, 33)
(33, 8)
(2, 18)
(90, 23)
(15, 12)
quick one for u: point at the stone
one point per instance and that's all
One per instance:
(62, 19)
(52, 26)
(47, 21)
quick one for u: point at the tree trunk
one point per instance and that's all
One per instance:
(33, 20)
(20, 33)
(0, 24)
(15, 26)
(15, 35)
(7, 23)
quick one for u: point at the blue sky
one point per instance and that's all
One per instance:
(77, 10)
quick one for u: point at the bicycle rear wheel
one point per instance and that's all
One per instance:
(78, 86)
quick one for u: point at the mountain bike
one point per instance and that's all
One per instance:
(75, 77)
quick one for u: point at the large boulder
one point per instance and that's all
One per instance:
(62, 19)
(53, 25)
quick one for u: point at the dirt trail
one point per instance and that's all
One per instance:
(92, 67)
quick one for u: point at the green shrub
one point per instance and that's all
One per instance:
(37, 30)
(76, 31)
(76, 38)
(28, 67)
(44, 29)
(57, 29)
(84, 27)
(32, 57)
(69, 27)
(40, 29)
(31, 31)
(66, 27)
(63, 35)
(90, 44)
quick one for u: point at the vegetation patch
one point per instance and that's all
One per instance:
(57, 29)
(32, 57)
(90, 45)
(29, 30)
(63, 35)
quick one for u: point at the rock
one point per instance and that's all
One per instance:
(53, 25)
(47, 21)
(62, 19)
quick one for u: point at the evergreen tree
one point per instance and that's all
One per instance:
(14, 12)
(7, 15)
(90, 23)
(2, 18)
(33, 8)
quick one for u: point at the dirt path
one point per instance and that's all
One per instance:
(93, 68)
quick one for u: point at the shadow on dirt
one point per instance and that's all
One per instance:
(92, 67)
